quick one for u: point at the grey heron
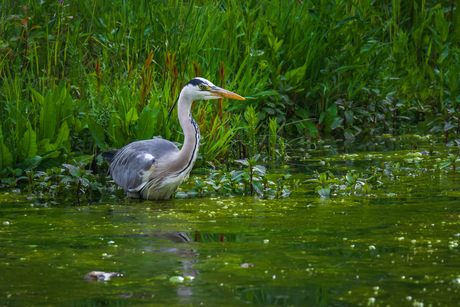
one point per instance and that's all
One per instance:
(154, 169)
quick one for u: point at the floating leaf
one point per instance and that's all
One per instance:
(176, 279)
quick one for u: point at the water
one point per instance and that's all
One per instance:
(397, 246)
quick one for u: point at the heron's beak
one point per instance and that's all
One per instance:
(220, 92)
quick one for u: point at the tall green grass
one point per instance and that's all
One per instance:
(78, 77)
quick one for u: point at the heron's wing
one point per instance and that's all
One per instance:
(133, 164)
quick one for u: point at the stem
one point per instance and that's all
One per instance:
(250, 180)
(384, 125)
(78, 188)
(252, 188)
(394, 117)
(322, 102)
(458, 124)
(442, 90)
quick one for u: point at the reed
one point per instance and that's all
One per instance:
(102, 74)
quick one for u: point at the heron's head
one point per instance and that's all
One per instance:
(200, 88)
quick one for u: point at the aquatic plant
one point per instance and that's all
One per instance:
(79, 78)
(252, 180)
(253, 171)
(452, 160)
(349, 183)
(325, 180)
(273, 136)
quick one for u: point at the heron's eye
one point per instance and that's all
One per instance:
(201, 86)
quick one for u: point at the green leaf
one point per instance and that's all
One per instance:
(366, 188)
(84, 160)
(78, 125)
(145, 127)
(37, 95)
(131, 117)
(237, 175)
(349, 136)
(254, 159)
(64, 106)
(445, 164)
(116, 132)
(337, 122)
(323, 192)
(448, 126)
(323, 177)
(63, 135)
(52, 156)
(6, 159)
(344, 21)
(30, 164)
(296, 75)
(265, 93)
(48, 118)
(243, 161)
(73, 170)
(51, 160)
(98, 133)
(257, 185)
(331, 114)
(350, 179)
(337, 181)
(28, 146)
(309, 125)
(261, 170)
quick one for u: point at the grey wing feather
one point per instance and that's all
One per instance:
(132, 161)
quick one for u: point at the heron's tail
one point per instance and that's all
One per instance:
(109, 155)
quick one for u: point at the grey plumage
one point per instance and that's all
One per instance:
(132, 163)
(154, 169)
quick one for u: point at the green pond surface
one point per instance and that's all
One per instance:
(396, 246)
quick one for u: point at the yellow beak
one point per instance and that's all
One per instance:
(217, 91)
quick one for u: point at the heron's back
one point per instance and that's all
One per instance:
(132, 165)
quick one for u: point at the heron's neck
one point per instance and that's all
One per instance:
(189, 151)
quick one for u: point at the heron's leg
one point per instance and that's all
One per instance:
(133, 194)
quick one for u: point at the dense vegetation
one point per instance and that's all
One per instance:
(82, 76)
